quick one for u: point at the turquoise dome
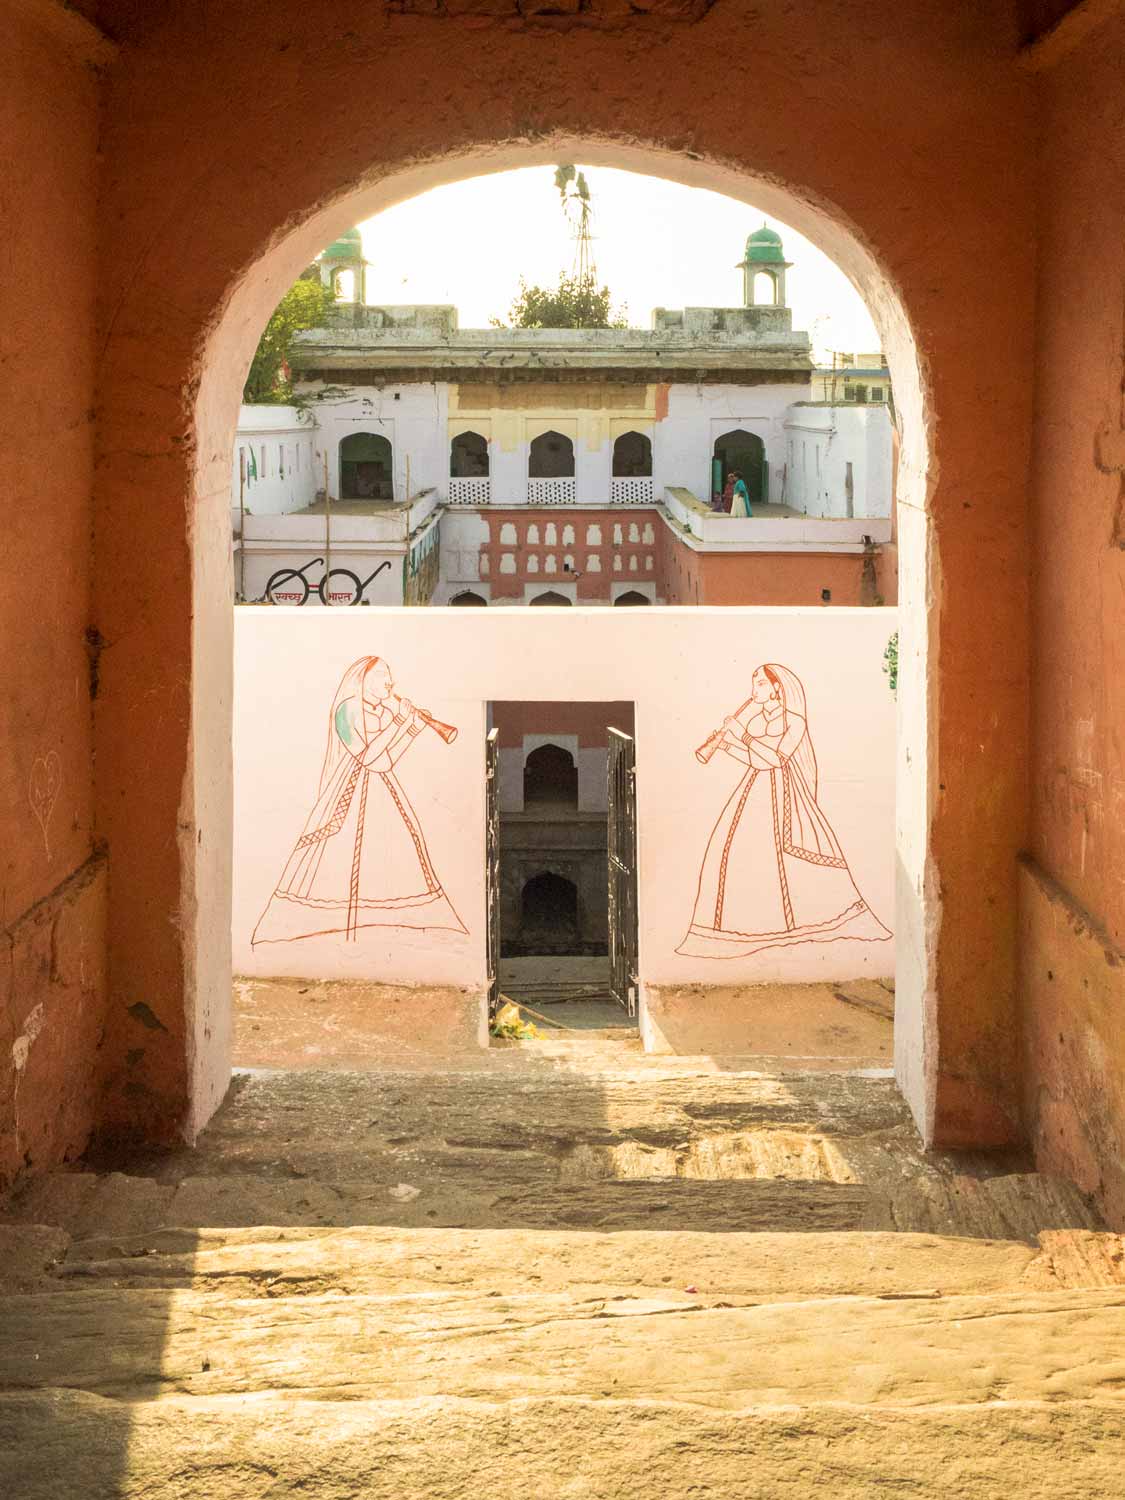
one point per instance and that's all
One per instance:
(348, 247)
(764, 245)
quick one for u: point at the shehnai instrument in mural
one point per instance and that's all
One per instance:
(362, 859)
(774, 874)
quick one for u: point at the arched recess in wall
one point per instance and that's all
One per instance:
(630, 599)
(466, 599)
(366, 467)
(468, 456)
(632, 456)
(550, 456)
(275, 253)
(550, 597)
(550, 776)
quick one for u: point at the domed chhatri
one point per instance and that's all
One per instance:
(765, 245)
(343, 267)
(764, 262)
(349, 246)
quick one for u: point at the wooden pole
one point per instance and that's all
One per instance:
(242, 525)
(327, 531)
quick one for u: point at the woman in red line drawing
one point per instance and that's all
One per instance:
(362, 859)
(774, 874)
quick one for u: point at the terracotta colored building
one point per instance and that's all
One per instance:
(159, 203)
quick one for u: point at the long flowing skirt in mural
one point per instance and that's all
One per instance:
(361, 862)
(774, 874)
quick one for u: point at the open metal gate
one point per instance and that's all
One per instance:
(492, 867)
(623, 869)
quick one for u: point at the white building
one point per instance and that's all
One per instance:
(413, 426)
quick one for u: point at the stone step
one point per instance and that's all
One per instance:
(740, 1267)
(685, 1267)
(480, 1191)
(447, 1363)
(481, 1344)
(67, 1443)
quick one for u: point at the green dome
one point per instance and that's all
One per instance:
(348, 247)
(765, 245)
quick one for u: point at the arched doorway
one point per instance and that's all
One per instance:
(550, 777)
(550, 597)
(466, 599)
(630, 599)
(220, 345)
(745, 453)
(366, 467)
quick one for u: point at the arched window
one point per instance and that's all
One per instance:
(632, 456)
(468, 456)
(550, 597)
(550, 776)
(630, 597)
(466, 599)
(551, 456)
(745, 453)
(366, 467)
(549, 914)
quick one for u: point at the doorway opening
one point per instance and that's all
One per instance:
(557, 903)
(366, 467)
(488, 573)
(743, 453)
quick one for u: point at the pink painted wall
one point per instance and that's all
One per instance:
(683, 672)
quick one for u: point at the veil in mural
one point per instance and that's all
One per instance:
(773, 874)
(362, 859)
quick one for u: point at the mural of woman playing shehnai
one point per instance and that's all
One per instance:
(362, 859)
(774, 874)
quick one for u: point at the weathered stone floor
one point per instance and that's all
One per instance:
(569, 1274)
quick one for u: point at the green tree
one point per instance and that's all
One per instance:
(307, 304)
(577, 302)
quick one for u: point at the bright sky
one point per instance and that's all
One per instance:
(656, 244)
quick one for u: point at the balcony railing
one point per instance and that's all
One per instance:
(551, 492)
(476, 490)
(632, 490)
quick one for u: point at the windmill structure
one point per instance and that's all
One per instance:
(574, 192)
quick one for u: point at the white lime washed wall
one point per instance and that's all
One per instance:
(808, 446)
(275, 451)
(412, 417)
(821, 441)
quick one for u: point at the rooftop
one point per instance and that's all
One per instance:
(686, 344)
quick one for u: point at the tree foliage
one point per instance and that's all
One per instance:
(307, 304)
(577, 302)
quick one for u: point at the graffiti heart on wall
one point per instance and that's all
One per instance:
(43, 790)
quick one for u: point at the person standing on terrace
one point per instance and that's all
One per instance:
(740, 496)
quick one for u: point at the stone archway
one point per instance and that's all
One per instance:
(209, 281)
